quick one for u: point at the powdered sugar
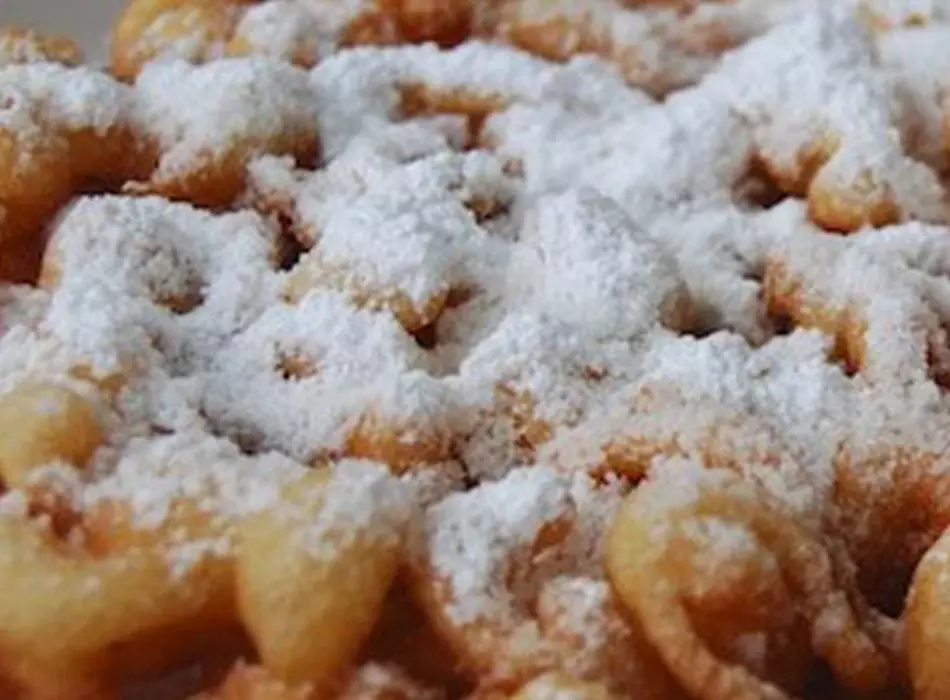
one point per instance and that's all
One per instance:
(382, 214)
(197, 112)
(21, 305)
(191, 279)
(789, 382)
(720, 251)
(655, 47)
(559, 369)
(304, 31)
(581, 608)
(376, 681)
(101, 328)
(298, 376)
(556, 236)
(896, 13)
(188, 33)
(154, 476)
(490, 553)
(281, 29)
(918, 66)
(361, 502)
(402, 239)
(39, 101)
(696, 151)
(897, 328)
(475, 541)
(360, 88)
(841, 106)
(597, 270)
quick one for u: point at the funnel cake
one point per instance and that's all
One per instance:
(62, 128)
(485, 350)
(202, 156)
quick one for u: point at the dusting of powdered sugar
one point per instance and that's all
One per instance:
(243, 103)
(605, 307)
(361, 502)
(297, 377)
(196, 278)
(595, 269)
(67, 98)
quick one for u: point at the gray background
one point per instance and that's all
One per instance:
(88, 21)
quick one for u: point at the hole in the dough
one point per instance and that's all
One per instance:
(177, 282)
(160, 430)
(847, 350)
(781, 323)
(249, 442)
(820, 682)
(418, 100)
(469, 481)
(97, 186)
(428, 336)
(941, 376)
(700, 317)
(691, 315)
(249, 445)
(288, 251)
(322, 457)
(514, 167)
(705, 322)
(203, 662)
(402, 630)
(459, 295)
(888, 594)
(485, 209)
(938, 358)
(757, 190)
(294, 366)
(786, 313)
(847, 364)
(594, 373)
(181, 304)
